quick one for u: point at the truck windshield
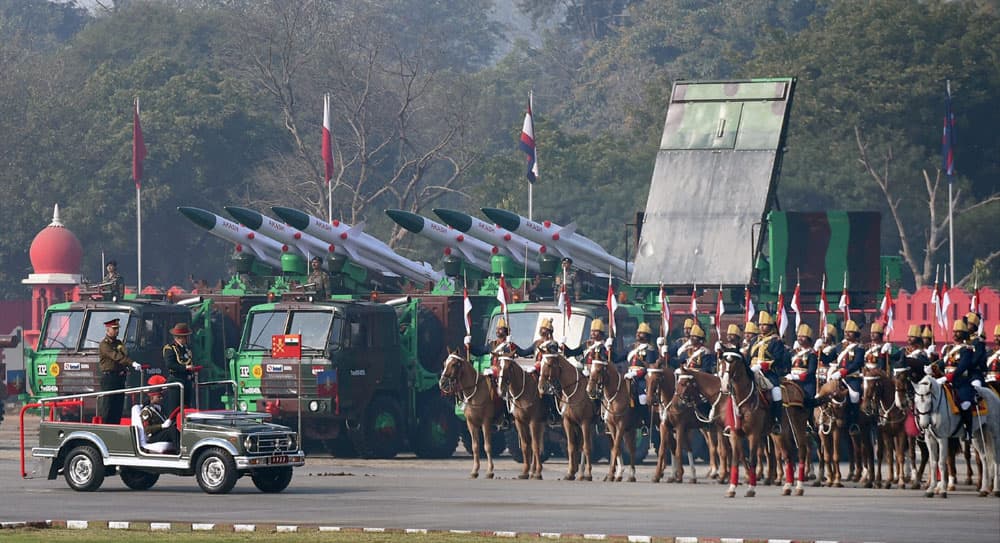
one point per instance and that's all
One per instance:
(314, 326)
(524, 327)
(263, 325)
(62, 331)
(95, 330)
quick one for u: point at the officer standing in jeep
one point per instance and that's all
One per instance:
(177, 361)
(114, 363)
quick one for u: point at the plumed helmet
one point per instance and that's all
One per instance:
(765, 318)
(733, 330)
(751, 328)
(598, 325)
(913, 331)
(644, 329)
(805, 330)
(546, 324)
(851, 326)
(501, 323)
(688, 323)
(831, 330)
(877, 328)
(959, 327)
(696, 331)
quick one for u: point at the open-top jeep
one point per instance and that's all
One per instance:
(216, 446)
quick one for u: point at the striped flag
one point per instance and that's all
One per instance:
(664, 312)
(693, 309)
(502, 298)
(948, 137)
(845, 301)
(780, 316)
(796, 307)
(467, 311)
(138, 147)
(528, 144)
(612, 308)
(748, 302)
(945, 305)
(888, 309)
(824, 308)
(936, 303)
(327, 144)
(720, 310)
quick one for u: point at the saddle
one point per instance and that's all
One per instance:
(792, 394)
(978, 408)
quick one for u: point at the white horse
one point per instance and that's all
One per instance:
(937, 422)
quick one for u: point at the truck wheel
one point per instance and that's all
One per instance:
(498, 439)
(272, 480)
(514, 447)
(138, 480)
(216, 471)
(436, 435)
(341, 446)
(380, 432)
(641, 449)
(84, 469)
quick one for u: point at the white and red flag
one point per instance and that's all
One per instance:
(797, 307)
(664, 313)
(467, 311)
(612, 308)
(503, 298)
(528, 144)
(780, 316)
(327, 143)
(748, 302)
(720, 310)
(945, 304)
(845, 301)
(693, 309)
(888, 310)
(824, 308)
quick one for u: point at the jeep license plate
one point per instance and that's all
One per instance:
(279, 459)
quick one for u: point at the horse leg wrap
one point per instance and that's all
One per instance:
(788, 472)
(734, 474)
(802, 473)
(752, 476)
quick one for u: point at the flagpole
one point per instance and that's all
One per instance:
(951, 226)
(138, 220)
(531, 186)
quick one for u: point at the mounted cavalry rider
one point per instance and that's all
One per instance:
(750, 334)
(546, 346)
(501, 347)
(880, 354)
(803, 364)
(914, 354)
(768, 361)
(993, 363)
(978, 345)
(679, 342)
(729, 351)
(929, 347)
(849, 363)
(826, 352)
(959, 367)
(641, 356)
(693, 354)
(595, 349)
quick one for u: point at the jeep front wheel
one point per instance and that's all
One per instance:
(272, 480)
(216, 471)
(84, 469)
(138, 480)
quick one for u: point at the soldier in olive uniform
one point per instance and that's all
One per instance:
(114, 363)
(319, 279)
(177, 361)
(113, 282)
(155, 423)
(572, 283)
(768, 359)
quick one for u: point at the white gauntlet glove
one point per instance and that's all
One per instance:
(886, 348)
(682, 348)
(136, 366)
(166, 424)
(930, 350)
(818, 345)
(796, 345)
(468, 340)
(609, 342)
(718, 346)
(661, 341)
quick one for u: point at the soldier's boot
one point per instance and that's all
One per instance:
(851, 418)
(775, 411)
(966, 416)
(644, 420)
(599, 417)
(555, 419)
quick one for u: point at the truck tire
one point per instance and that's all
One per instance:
(341, 446)
(380, 432)
(272, 480)
(430, 341)
(436, 435)
(514, 447)
(216, 471)
(137, 479)
(641, 448)
(84, 469)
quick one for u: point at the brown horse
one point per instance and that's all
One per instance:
(903, 384)
(749, 412)
(660, 391)
(520, 389)
(707, 388)
(794, 436)
(475, 393)
(576, 408)
(832, 399)
(622, 418)
(879, 400)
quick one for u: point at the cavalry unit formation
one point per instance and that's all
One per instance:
(327, 339)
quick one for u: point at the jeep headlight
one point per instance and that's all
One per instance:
(243, 406)
(250, 443)
(314, 406)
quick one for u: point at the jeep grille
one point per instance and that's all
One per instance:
(270, 443)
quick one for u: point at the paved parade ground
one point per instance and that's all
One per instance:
(437, 495)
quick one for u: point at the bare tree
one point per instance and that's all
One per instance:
(880, 168)
(399, 120)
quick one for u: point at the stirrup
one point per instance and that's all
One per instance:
(775, 426)
(854, 429)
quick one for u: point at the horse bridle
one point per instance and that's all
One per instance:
(881, 411)
(504, 361)
(457, 378)
(599, 386)
(554, 381)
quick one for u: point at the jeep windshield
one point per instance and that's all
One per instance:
(76, 329)
(313, 326)
(524, 327)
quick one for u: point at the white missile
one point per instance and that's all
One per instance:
(360, 247)
(308, 246)
(266, 249)
(505, 242)
(473, 251)
(564, 240)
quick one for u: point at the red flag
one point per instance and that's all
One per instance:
(327, 146)
(845, 301)
(694, 302)
(138, 147)
(612, 307)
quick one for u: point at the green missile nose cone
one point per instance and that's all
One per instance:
(506, 219)
(202, 218)
(410, 221)
(293, 217)
(247, 217)
(455, 219)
